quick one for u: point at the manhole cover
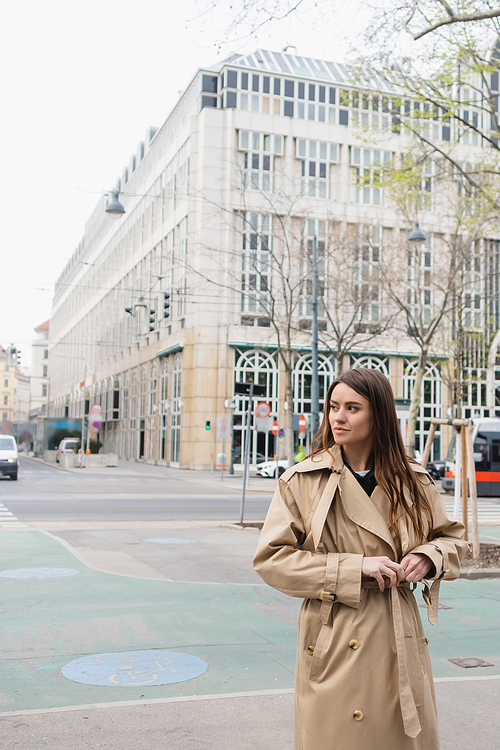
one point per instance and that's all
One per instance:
(471, 661)
(39, 573)
(171, 540)
(129, 668)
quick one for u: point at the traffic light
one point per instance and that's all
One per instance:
(152, 314)
(166, 305)
(207, 425)
(19, 357)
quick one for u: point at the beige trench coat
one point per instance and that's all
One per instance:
(363, 679)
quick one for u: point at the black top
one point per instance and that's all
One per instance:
(368, 482)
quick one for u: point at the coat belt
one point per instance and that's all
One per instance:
(411, 722)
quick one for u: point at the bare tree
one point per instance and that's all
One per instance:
(422, 282)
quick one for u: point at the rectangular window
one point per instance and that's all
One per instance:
(343, 117)
(44, 390)
(256, 261)
(266, 81)
(288, 109)
(255, 83)
(209, 84)
(44, 371)
(45, 353)
(258, 164)
(322, 93)
(315, 156)
(302, 90)
(332, 96)
(208, 101)
(312, 92)
(289, 89)
(277, 86)
(244, 81)
(232, 79)
(231, 99)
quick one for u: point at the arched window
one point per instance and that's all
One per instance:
(175, 417)
(142, 392)
(254, 366)
(164, 406)
(430, 402)
(302, 378)
(371, 362)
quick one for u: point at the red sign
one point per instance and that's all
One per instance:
(275, 428)
(262, 410)
(302, 423)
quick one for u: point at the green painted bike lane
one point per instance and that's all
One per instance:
(46, 623)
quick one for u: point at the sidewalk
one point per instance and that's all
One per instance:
(208, 604)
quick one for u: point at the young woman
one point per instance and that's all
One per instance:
(351, 530)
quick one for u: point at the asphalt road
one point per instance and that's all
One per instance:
(132, 492)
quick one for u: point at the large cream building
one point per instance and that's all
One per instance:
(259, 138)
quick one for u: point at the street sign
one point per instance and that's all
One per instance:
(262, 410)
(244, 388)
(302, 423)
(95, 416)
(276, 428)
(281, 433)
(223, 427)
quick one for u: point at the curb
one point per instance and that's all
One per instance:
(473, 574)
(239, 488)
(46, 463)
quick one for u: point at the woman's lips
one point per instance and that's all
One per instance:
(339, 429)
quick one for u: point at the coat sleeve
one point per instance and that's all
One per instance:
(445, 543)
(284, 565)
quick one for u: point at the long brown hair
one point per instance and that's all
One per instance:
(392, 466)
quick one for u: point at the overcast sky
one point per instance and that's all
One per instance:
(80, 85)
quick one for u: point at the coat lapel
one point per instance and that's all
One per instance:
(361, 509)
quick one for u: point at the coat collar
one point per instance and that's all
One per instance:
(357, 505)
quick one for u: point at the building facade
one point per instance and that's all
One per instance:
(39, 374)
(196, 287)
(15, 393)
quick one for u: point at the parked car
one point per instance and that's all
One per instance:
(8, 456)
(67, 445)
(268, 468)
(436, 469)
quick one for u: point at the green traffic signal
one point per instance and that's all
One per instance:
(207, 425)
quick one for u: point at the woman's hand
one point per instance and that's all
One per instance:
(416, 566)
(386, 572)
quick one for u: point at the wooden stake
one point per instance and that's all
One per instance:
(473, 494)
(464, 481)
(428, 444)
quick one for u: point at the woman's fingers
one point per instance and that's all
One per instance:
(385, 571)
(416, 565)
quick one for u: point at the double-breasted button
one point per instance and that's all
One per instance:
(310, 650)
(354, 644)
(358, 716)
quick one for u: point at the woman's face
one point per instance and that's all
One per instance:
(350, 418)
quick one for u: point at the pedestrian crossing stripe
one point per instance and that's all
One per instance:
(487, 512)
(8, 520)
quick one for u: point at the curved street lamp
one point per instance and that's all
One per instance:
(416, 237)
(114, 207)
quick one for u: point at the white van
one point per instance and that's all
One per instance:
(8, 456)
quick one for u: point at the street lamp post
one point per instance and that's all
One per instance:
(315, 377)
